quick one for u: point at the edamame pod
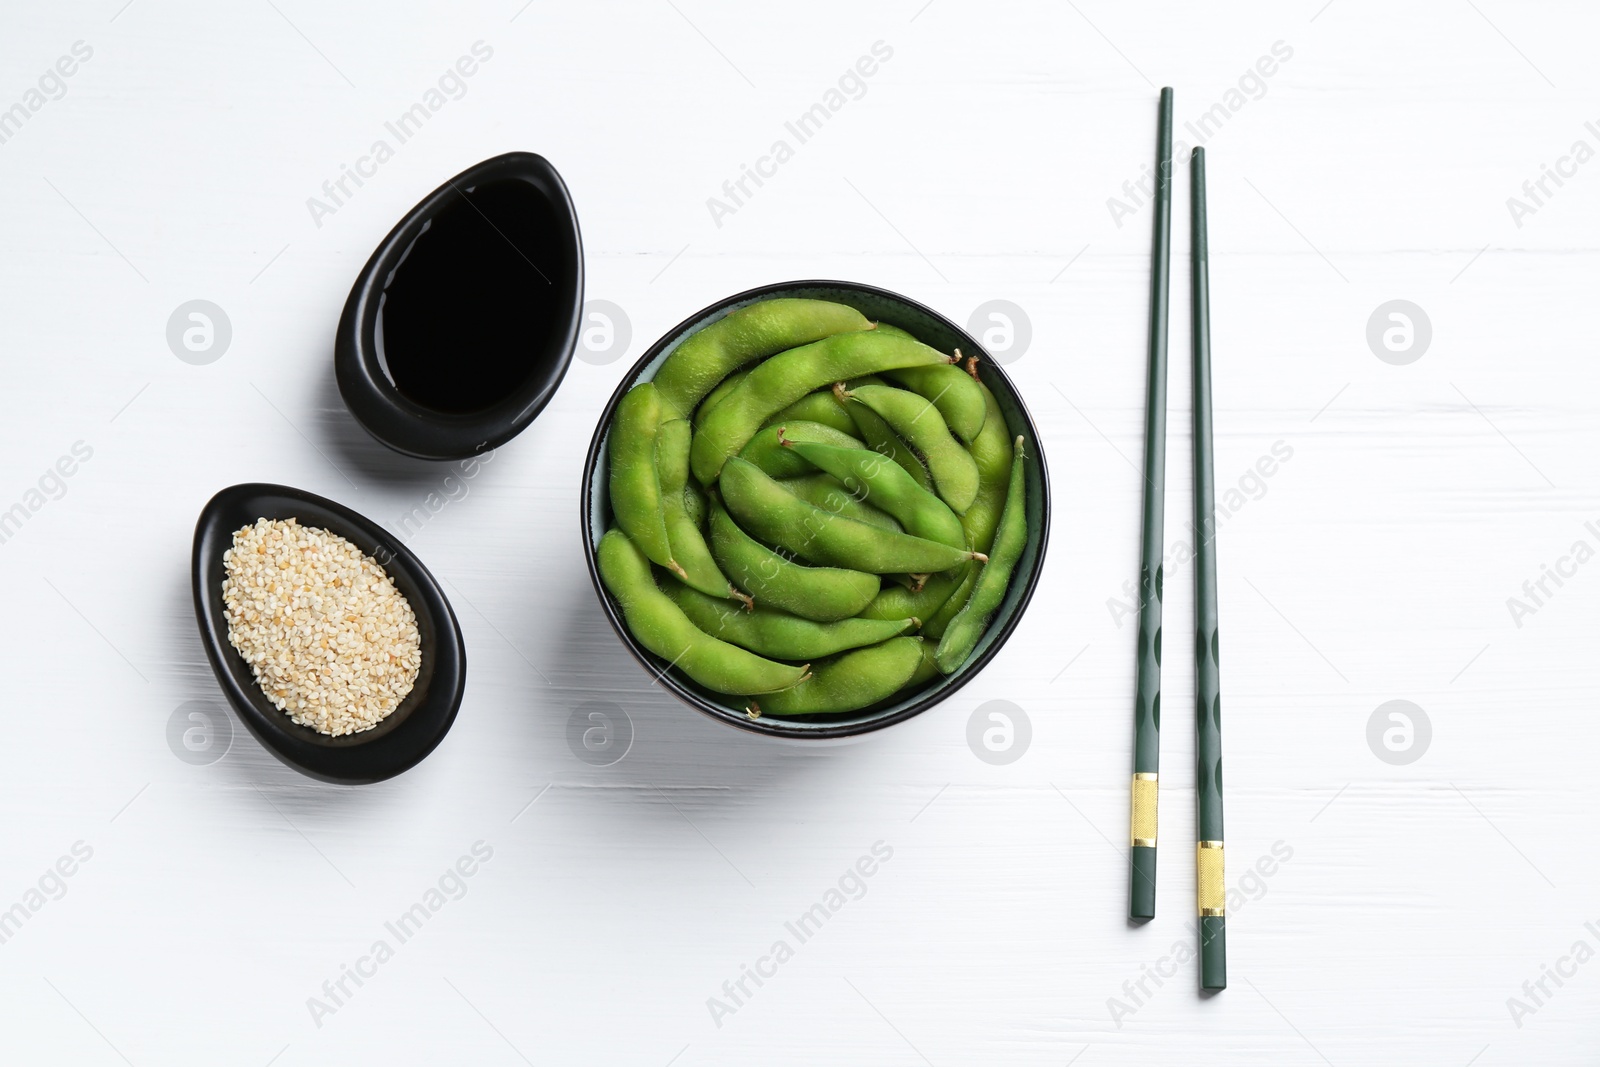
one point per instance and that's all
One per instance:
(788, 376)
(950, 389)
(955, 474)
(825, 492)
(882, 440)
(894, 331)
(885, 485)
(765, 451)
(723, 388)
(768, 510)
(635, 483)
(754, 332)
(688, 544)
(899, 602)
(991, 451)
(694, 503)
(927, 666)
(823, 594)
(961, 636)
(768, 632)
(820, 406)
(850, 682)
(660, 626)
(935, 624)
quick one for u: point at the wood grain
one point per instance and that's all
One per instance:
(1405, 903)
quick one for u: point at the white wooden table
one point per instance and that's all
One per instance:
(213, 905)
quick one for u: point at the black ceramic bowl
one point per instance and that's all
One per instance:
(366, 384)
(408, 733)
(927, 326)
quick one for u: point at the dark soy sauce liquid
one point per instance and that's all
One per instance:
(468, 312)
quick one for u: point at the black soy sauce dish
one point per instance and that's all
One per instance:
(407, 734)
(460, 327)
(927, 326)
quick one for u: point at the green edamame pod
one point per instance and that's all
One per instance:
(955, 474)
(935, 624)
(884, 484)
(635, 483)
(822, 594)
(688, 544)
(953, 390)
(765, 451)
(950, 389)
(762, 329)
(991, 451)
(723, 388)
(768, 510)
(820, 406)
(827, 493)
(990, 588)
(894, 331)
(927, 666)
(660, 626)
(880, 437)
(850, 682)
(899, 602)
(781, 380)
(778, 634)
(694, 504)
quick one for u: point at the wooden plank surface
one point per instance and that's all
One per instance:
(1398, 909)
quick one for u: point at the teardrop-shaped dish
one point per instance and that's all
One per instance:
(407, 734)
(461, 326)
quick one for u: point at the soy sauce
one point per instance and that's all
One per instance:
(469, 311)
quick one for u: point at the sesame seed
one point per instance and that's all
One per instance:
(332, 642)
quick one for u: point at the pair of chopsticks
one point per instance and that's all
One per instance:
(1210, 889)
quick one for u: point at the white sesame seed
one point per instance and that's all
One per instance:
(331, 641)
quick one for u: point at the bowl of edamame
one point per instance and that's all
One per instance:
(814, 509)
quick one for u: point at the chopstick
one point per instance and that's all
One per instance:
(1147, 698)
(1210, 886)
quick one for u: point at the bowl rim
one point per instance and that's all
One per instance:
(408, 734)
(660, 670)
(401, 423)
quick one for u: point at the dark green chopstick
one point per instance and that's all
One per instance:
(1210, 885)
(1147, 698)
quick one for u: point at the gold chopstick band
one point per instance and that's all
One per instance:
(1142, 832)
(1211, 889)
